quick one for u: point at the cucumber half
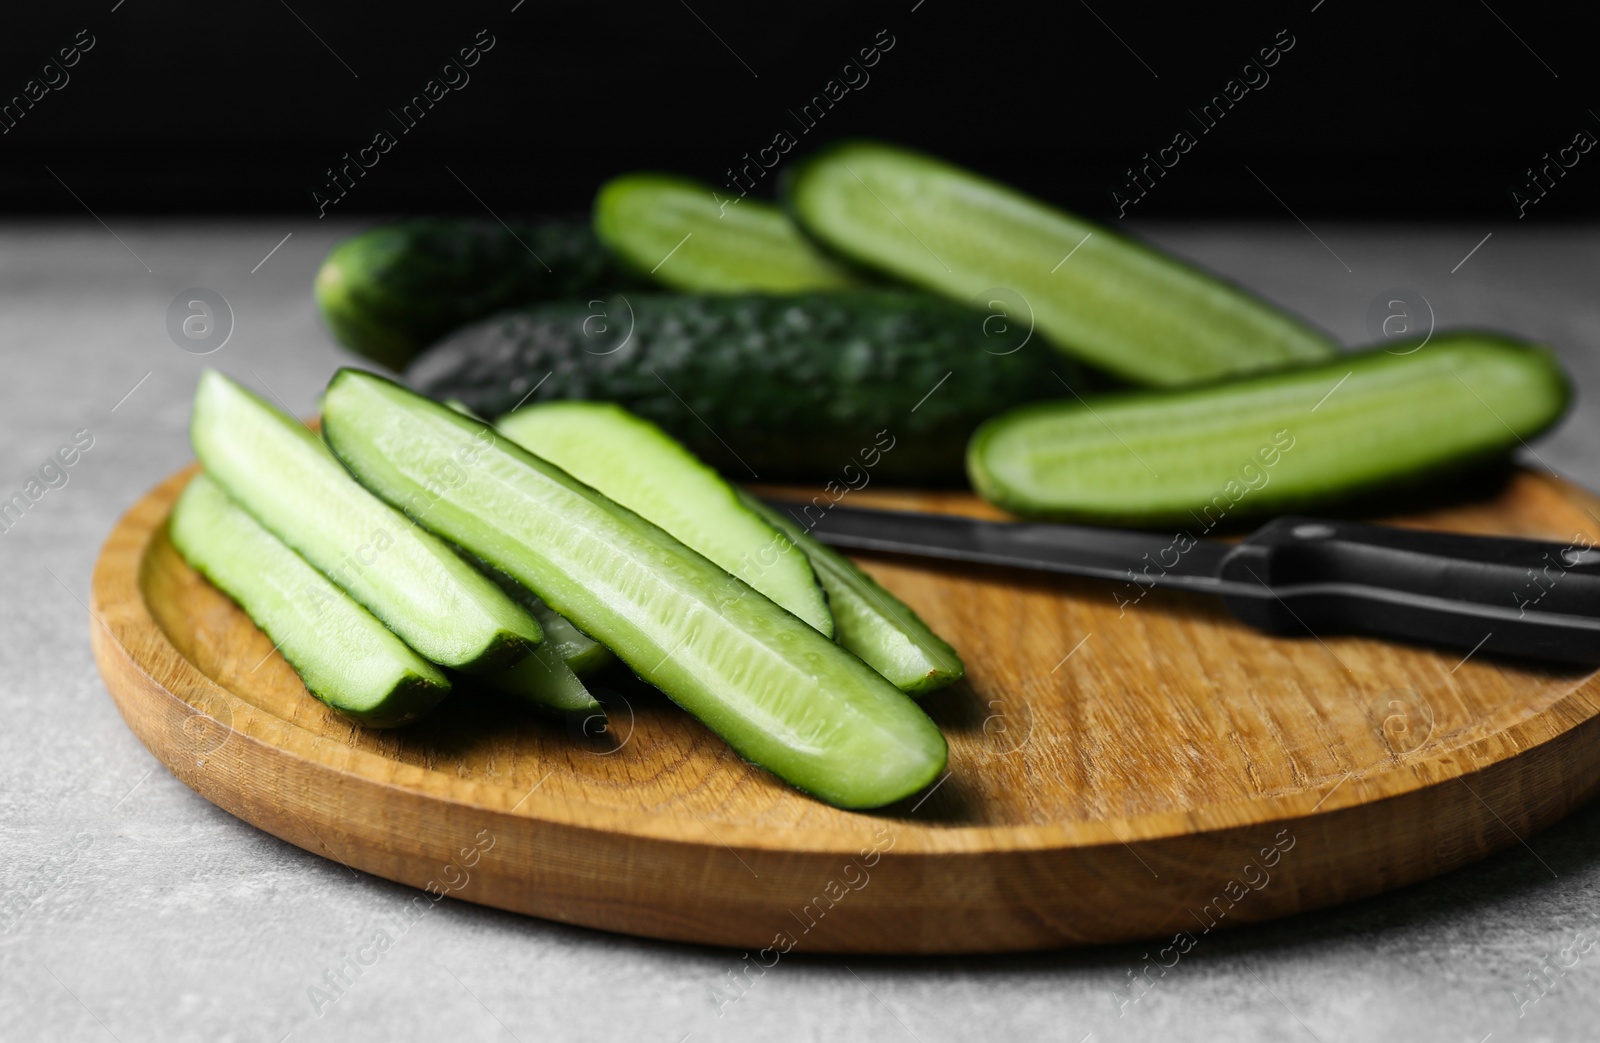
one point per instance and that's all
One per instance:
(674, 229)
(1271, 443)
(1116, 303)
(780, 693)
(644, 469)
(544, 679)
(582, 654)
(345, 656)
(870, 621)
(279, 471)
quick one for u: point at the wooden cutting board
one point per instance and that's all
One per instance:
(1116, 772)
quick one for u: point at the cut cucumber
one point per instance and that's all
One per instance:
(782, 695)
(1116, 303)
(545, 679)
(345, 656)
(280, 472)
(644, 469)
(1271, 443)
(582, 654)
(674, 229)
(870, 621)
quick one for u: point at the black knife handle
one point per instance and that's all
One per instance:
(1507, 596)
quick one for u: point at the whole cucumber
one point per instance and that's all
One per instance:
(1109, 300)
(392, 290)
(1273, 443)
(849, 385)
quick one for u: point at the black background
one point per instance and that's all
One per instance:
(1380, 110)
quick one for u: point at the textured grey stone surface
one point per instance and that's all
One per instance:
(151, 915)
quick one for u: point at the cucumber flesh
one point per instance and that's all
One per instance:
(581, 655)
(870, 621)
(345, 656)
(781, 694)
(675, 229)
(646, 470)
(283, 474)
(1104, 298)
(1272, 443)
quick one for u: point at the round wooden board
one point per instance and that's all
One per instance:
(1116, 772)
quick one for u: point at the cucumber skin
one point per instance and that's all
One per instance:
(207, 527)
(1247, 334)
(584, 525)
(1383, 426)
(869, 621)
(683, 492)
(794, 387)
(766, 252)
(390, 291)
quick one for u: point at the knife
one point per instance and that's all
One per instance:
(1292, 577)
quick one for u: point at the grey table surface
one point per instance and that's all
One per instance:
(132, 909)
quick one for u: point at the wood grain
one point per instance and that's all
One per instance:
(1115, 773)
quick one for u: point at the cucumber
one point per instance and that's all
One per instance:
(635, 463)
(345, 656)
(853, 385)
(781, 694)
(1109, 300)
(280, 472)
(675, 231)
(545, 679)
(392, 290)
(870, 621)
(583, 655)
(1271, 443)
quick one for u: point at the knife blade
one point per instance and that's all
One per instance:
(1294, 576)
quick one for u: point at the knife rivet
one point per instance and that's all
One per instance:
(1311, 531)
(1581, 556)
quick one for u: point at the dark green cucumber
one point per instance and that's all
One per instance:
(780, 693)
(392, 290)
(638, 465)
(853, 385)
(1109, 300)
(675, 231)
(281, 472)
(1267, 444)
(345, 656)
(870, 621)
